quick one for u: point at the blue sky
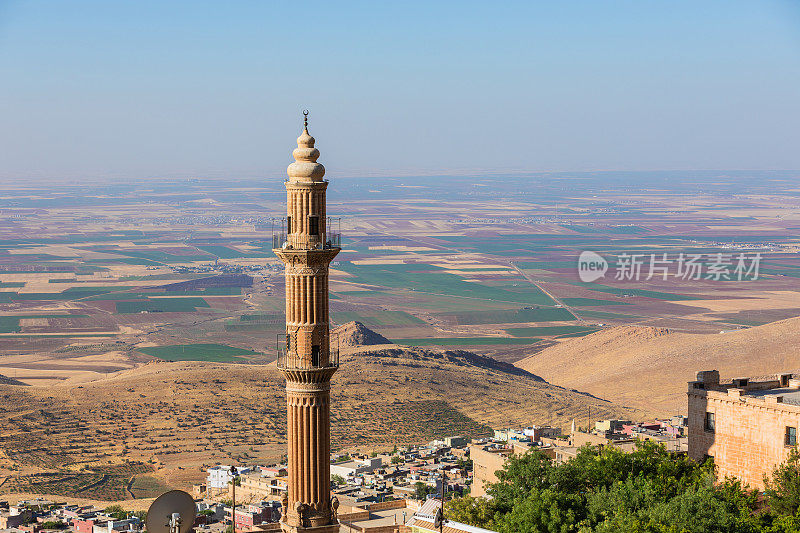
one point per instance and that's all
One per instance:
(141, 89)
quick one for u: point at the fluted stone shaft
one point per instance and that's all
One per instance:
(308, 364)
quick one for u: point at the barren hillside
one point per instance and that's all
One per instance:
(648, 367)
(5, 380)
(168, 419)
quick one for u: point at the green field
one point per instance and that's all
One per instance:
(590, 302)
(464, 341)
(9, 324)
(206, 291)
(73, 293)
(218, 353)
(548, 331)
(374, 319)
(513, 316)
(261, 322)
(668, 296)
(160, 305)
(431, 279)
(578, 334)
(603, 314)
(545, 265)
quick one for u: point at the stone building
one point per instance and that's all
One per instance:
(748, 425)
(306, 245)
(486, 460)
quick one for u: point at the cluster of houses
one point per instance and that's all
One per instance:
(378, 492)
(370, 478)
(489, 455)
(33, 516)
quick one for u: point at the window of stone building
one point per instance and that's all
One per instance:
(313, 225)
(288, 224)
(710, 422)
(791, 436)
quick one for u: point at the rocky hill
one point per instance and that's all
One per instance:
(353, 334)
(648, 367)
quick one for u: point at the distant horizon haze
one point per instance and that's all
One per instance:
(104, 91)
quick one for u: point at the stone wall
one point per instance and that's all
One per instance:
(748, 440)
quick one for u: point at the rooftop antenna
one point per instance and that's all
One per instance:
(172, 512)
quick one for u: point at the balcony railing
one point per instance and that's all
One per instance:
(281, 239)
(294, 241)
(289, 360)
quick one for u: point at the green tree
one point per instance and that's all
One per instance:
(468, 510)
(544, 511)
(464, 464)
(605, 490)
(783, 488)
(421, 490)
(116, 511)
(337, 480)
(520, 476)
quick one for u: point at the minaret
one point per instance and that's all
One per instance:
(306, 360)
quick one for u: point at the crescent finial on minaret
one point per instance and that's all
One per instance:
(305, 166)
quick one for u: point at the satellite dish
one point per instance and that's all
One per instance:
(438, 518)
(172, 512)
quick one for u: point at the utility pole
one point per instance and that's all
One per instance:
(439, 520)
(233, 498)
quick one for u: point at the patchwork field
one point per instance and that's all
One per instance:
(138, 266)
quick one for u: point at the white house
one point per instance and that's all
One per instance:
(220, 476)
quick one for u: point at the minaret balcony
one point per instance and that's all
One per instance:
(283, 238)
(289, 359)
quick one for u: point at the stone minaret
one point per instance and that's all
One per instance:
(307, 361)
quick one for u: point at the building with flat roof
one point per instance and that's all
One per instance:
(424, 519)
(486, 461)
(220, 476)
(354, 467)
(748, 425)
(456, 442)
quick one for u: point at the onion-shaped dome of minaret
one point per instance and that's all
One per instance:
(305, 166)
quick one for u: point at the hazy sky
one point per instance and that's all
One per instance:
(127, 89)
